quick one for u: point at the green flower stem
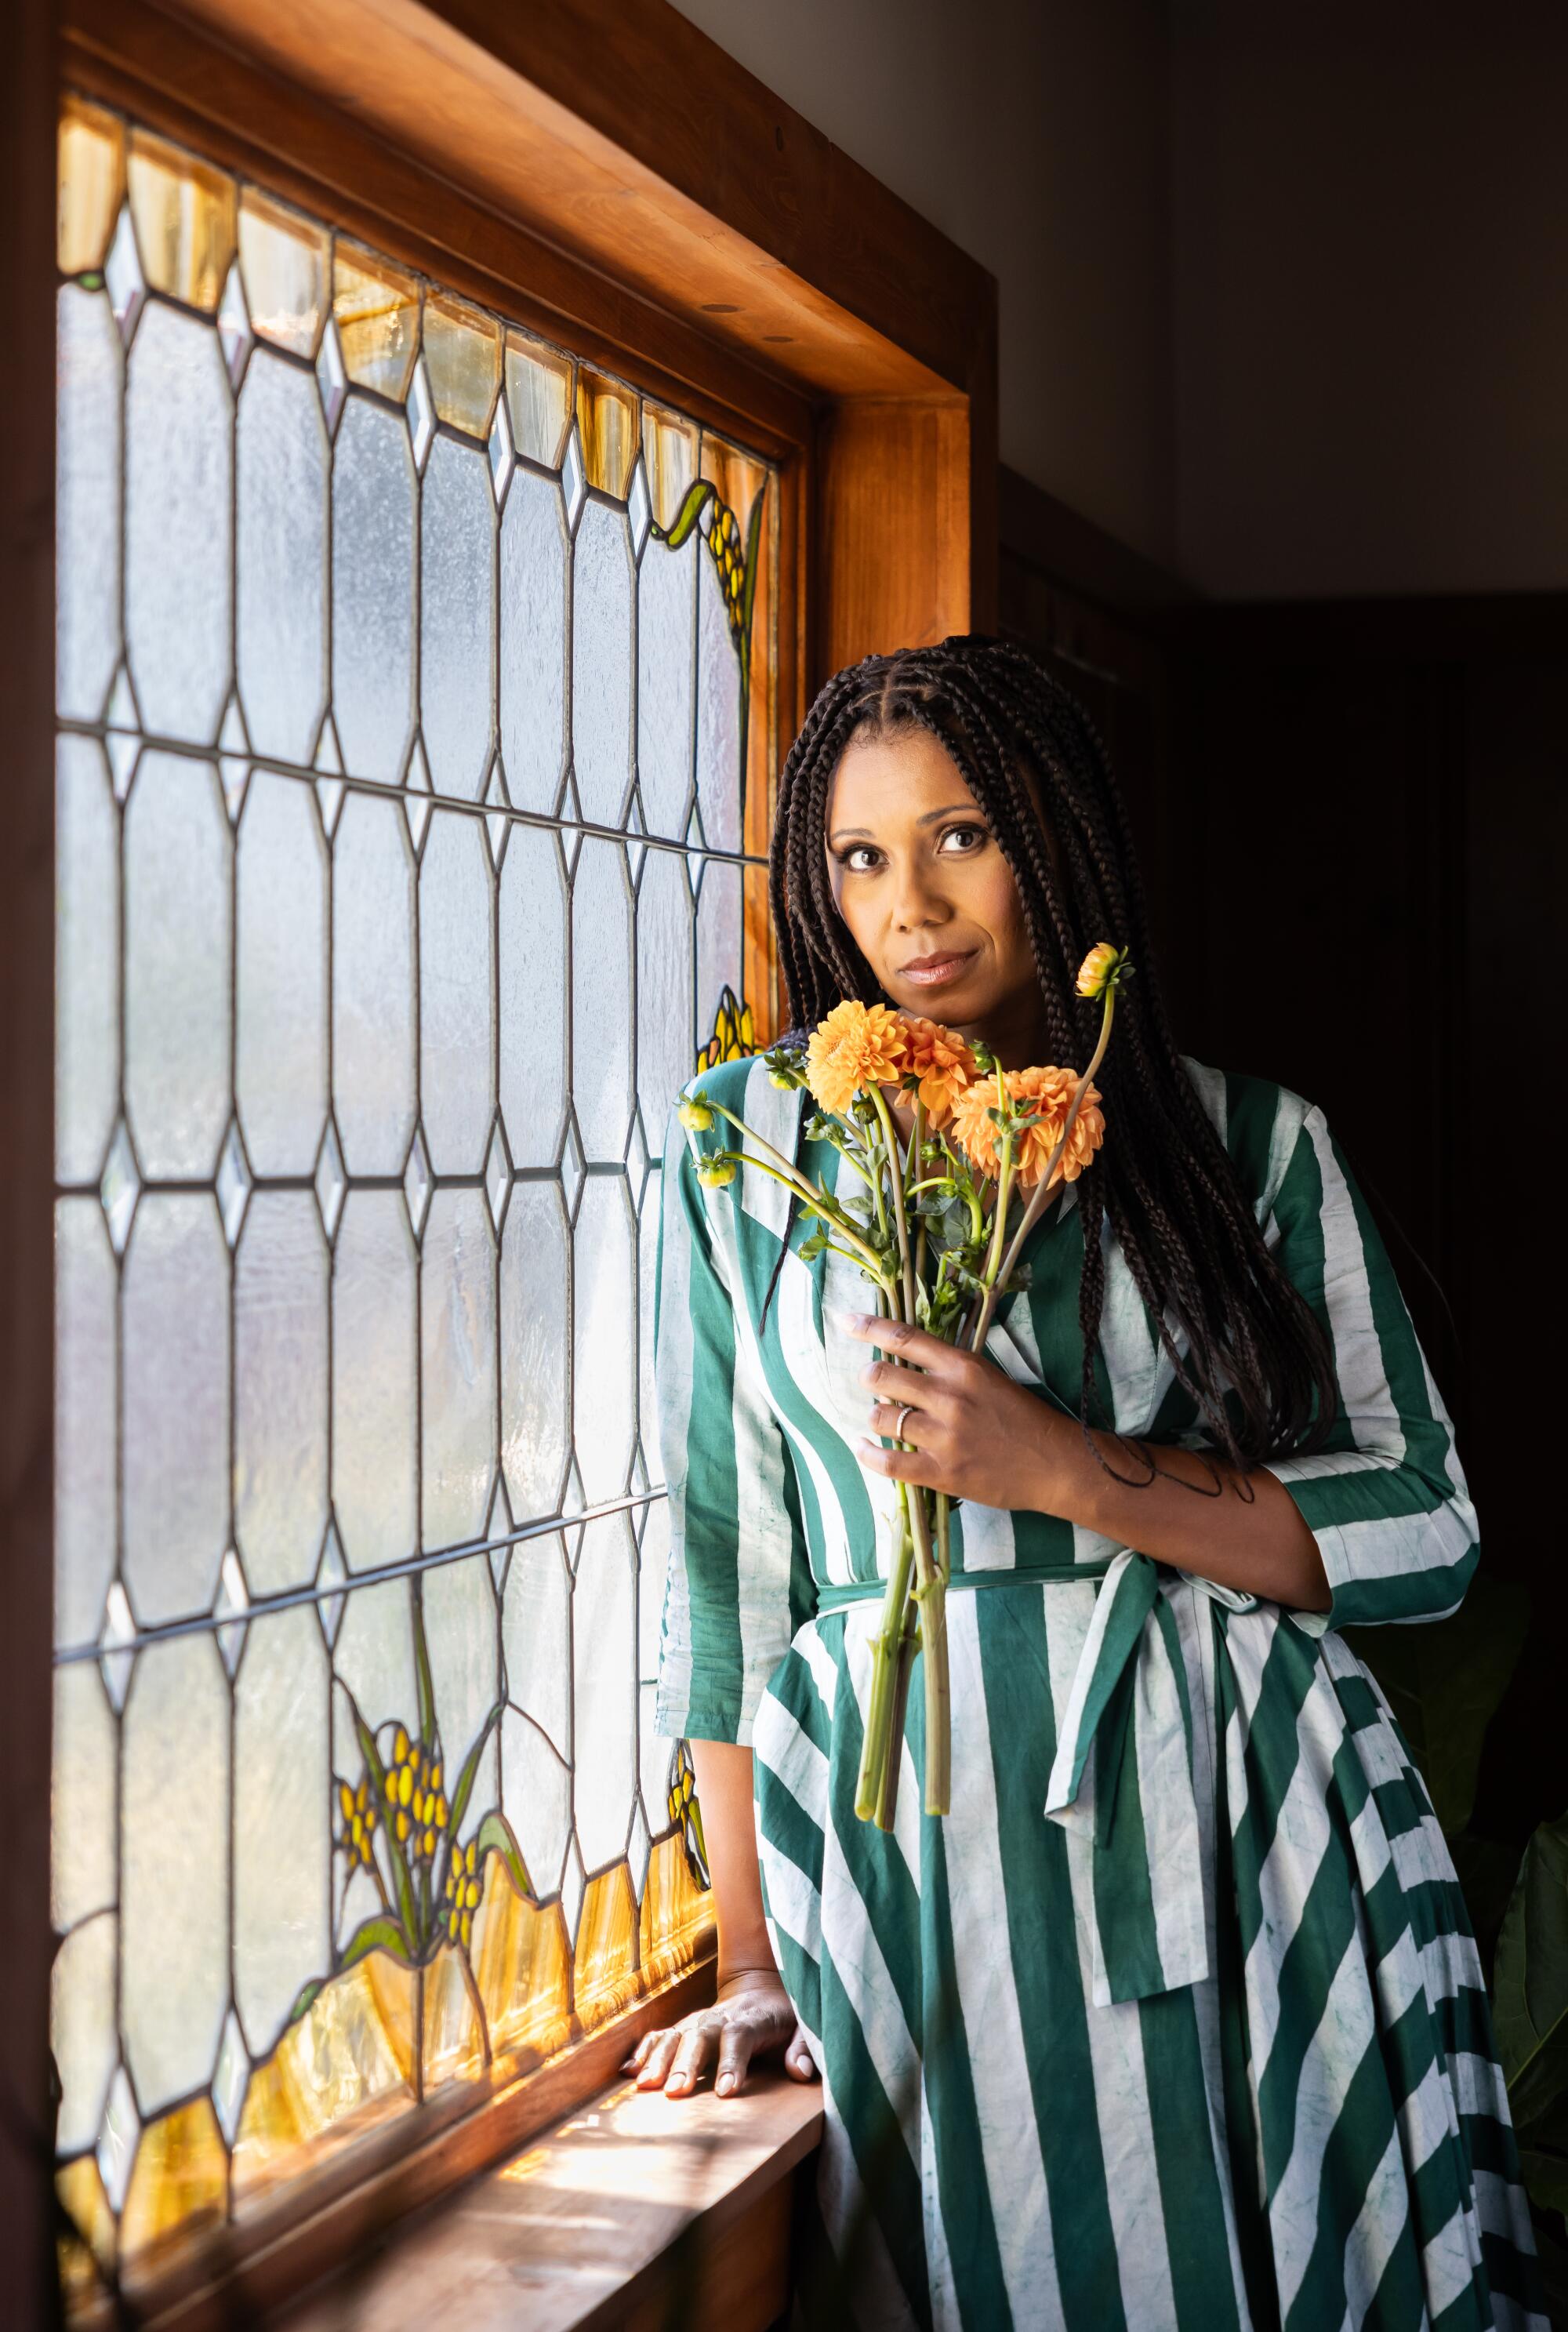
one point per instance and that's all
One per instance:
(1042, 1188)
(892, 1760)
(885, 1659)
(929, 1590)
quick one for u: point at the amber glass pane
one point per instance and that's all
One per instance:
(606, 1948)
(377, 308)
(463, 357)
(521, 1965)
(283, 259)
(678, 1915)
(670, 448)
(452, 2027)
(607, 419)
(537, 397)
(92, 2242)
(92, 179)
(345, 2063)
(181, 2177)
(184, 212)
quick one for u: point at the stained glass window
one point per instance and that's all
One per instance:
(409, 678)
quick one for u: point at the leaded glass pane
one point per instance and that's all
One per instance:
(395, 653)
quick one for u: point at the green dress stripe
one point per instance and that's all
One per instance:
(1176, 2023)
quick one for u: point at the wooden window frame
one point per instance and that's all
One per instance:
(671, 220)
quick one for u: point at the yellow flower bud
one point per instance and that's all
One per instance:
(694, 1113)
(400, 1745)
(715, 1174)
(402, 1828)
(466, 1928)
(346, 1800)
(435, 1777)
(441, 1813)
(429, 1844)
(1101, 969)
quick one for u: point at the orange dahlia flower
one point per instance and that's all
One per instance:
(1099, 967)
(859, 1045)
(1051, 1092)
(942, 1061)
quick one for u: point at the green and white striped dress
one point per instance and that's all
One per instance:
(1177, 2020)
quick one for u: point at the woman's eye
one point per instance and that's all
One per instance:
(962, 838)
(862, 858)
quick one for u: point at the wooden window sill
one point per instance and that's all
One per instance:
(636, 2211)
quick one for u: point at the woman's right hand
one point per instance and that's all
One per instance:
(751, 2017)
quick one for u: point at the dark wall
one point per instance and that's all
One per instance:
(1353, 821)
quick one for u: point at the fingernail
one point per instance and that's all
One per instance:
(723, 2084)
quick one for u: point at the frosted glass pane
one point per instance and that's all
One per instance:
(536, 1798)
(533, 1349)
(457, 994)
(532, 979)
(457, 618)
(461, 1636)
(82, 1797)
(666, 1040)
(176, 1406)
(283, 1841)
(718, 713)
(177, 966)
(86, 959)
(666, 682)
(373, 522)
(601, 663)
(457, 1314)
(82, 2033)
(281, 938)
(604, 1690)
(533, 641)
(280, 557)
(174, 1877)
(87, 502)
(282, 1272)
(647, 1297)
(375, 1385)
(719, 939)
(536, 1637)
(654, 1750)
(374, 1666)
(601, 999)
(604, 1284)
(85, 1436)
(373, 1053)
(178, 463)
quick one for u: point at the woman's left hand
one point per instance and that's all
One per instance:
(973, 1432)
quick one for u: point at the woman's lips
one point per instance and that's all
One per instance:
(936, 971)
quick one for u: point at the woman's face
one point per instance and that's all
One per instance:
(927, 894)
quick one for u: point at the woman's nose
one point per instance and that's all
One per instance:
(917, 901)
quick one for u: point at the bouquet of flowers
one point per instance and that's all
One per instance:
(954, 1159)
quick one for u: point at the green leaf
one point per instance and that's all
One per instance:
(307, 1994)
(1545, 2176)
(1444, 1681)
(464, 1790)
(494, 1836)
(381, 1933)
(690, 511)
(748, 588)
(422, 1675)
(1531, 1985)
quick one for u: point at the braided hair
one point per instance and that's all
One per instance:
(1255, 1362)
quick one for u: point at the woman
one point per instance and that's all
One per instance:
(1207, 2045)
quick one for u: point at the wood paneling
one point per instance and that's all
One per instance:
(27, 71)
(893, 530)
(1374, 822)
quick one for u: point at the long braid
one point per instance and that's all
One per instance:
(1241, 1340)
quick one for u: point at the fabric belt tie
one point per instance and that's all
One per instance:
(1121, 1781)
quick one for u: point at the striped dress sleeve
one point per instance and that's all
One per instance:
(733, 1593)
(1385, 1497)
